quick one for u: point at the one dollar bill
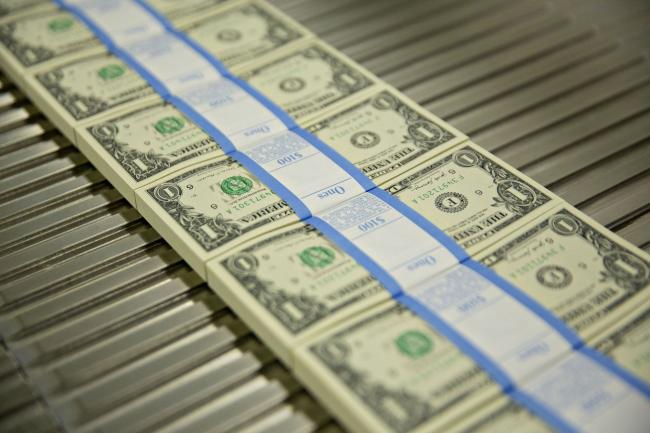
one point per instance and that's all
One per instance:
(385, 134)
(45, 35)
(244, 32)
(502, 415)
(177, 11)
(138, 147)
(628, 342)
(83, 89)
(586, 275)
(389, 371)
(210, 207)
(93, 85)
(309, 79)
(8, 7)
(471, 195)
(292, 284)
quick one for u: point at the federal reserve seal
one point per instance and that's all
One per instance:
(451, 202)
(292, 84)
(554, 277)
(228, 35)
(365, 139)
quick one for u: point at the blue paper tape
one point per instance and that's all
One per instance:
(220, 67)
(275, 185)
(338, 159)
(569, 335)
(612, 367)
(266, 102)
(423, 223)
(486, 363)
(224, 142)
(542, 411)
(355, 252)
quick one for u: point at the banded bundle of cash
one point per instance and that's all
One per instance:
(377, 365)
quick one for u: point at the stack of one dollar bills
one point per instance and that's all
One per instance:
(377, 366)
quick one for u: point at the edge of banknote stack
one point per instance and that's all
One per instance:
(282, 220)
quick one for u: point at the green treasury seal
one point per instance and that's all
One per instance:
(413, 344)
(236, 185)
(169, 125)
(317, 257)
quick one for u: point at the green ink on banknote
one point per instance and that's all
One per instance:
(60, 24)
(317, 257)
(111, 72)
(169, 125)
(236, 185)
(413, 344)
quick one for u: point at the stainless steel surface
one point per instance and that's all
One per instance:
(105, 329)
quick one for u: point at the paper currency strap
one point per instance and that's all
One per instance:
(534, 356)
